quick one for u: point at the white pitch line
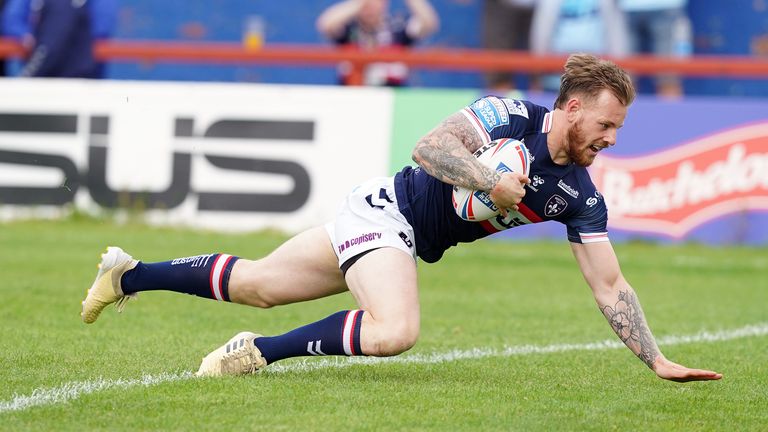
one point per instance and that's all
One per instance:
(74, 390)
(311, 364)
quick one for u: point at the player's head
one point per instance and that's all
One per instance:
(595, 95)
(586, 76)
(372, 13)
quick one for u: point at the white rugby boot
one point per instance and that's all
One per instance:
(106, 288)
(239, 356)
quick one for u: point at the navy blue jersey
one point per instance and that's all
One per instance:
(563, 193)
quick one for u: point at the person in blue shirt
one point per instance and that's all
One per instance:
(59, 34)
(566, 26)
(660, 28)
(385, 224)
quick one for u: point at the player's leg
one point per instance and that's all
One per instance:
(384, 283)
(373, 241)
(303, 268)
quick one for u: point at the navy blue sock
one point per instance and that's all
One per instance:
(339, 334)
(202, 275)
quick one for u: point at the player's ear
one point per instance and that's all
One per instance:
(573, 108)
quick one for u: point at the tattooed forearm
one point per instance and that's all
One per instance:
(446, 153)
(627, 320)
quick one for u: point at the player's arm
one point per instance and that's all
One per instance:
(424, 20)
(446, 154)
(332, 20)
(620, 306)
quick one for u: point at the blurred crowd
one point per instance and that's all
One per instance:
(609, 27)
(614, 28)
(58, 35)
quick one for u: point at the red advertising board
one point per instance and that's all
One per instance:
(676, 190)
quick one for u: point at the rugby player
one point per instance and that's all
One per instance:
(384, 225)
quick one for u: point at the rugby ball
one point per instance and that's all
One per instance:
(502, 155)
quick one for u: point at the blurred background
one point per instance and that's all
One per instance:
(717, 28)
(101, 97)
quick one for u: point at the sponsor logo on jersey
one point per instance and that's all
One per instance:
(555, 205)
(487, 114)
(568, 189)
(501, 109)
(536, 181)
(674, 191)
(516, 107)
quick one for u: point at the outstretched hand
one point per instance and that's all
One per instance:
(675, 372)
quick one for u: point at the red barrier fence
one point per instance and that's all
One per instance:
(434, 58)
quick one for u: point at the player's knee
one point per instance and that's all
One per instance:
(395, 339)
(247, 282)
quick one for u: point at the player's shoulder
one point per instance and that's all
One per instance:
(503, 106)
(500, 117)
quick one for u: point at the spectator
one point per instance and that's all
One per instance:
(659, 27)
(368, 25)
(103, 25)
(59, 34)
(506, 25)
(569, 26)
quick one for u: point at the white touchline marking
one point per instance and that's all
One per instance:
(74, 390)
(305, 365)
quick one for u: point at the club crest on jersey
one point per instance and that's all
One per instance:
(555, 205)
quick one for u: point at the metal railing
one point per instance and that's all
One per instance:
(459, 59)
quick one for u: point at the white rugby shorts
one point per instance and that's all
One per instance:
(369, 218)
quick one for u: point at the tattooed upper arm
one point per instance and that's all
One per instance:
(454, 130)
(446, 153)
(459, 126)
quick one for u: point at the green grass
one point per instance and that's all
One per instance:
(533, 294)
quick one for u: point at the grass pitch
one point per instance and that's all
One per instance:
(130, 371)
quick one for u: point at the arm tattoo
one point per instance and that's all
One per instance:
(627, 320)
(446, 153)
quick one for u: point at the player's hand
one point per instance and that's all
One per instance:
(674, 372)
(509, 191)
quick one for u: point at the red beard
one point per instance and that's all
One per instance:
(576, 148)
